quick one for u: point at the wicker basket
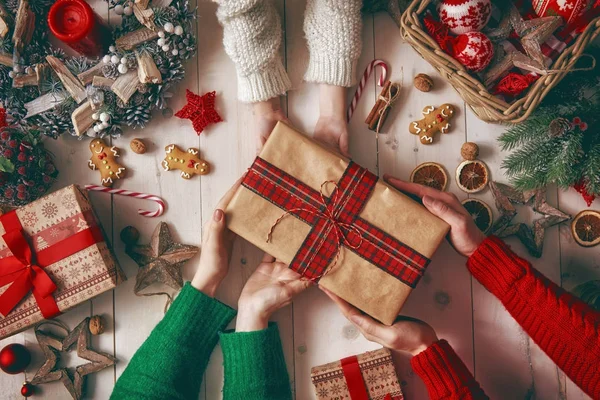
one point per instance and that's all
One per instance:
(485, 105)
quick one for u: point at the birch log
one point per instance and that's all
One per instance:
(70, 82)
(86, 77)
(133, 39)
(6, 59)
(143, 4)
(145, 16)
(147, 70)
(82, 118)
(126, 85)
(24, 26)
(101, 82)
(5, 19)
(44, 103)
(29, 79)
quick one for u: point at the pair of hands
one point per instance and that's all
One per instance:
(271, 286)
(331, 128)
(408, 334)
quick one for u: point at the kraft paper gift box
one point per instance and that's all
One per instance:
(334, 222)
(367, 376)
(53, 256)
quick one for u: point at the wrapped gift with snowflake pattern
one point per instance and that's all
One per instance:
(367, 376)
(53, 256)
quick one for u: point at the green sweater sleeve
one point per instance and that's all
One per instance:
(170, 363)
(254, 366)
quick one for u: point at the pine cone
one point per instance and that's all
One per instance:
(131, 63)
(137, 116)
(559, 127)
(110, 70)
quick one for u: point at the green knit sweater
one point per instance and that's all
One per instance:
(171, 362)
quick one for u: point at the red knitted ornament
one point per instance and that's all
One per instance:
(568, 9)
(514, 84)
(474, 50)
(439, 33)
(463, 16)
(580, 187)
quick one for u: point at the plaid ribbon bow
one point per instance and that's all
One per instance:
(335, 222)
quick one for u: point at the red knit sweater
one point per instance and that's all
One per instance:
(567, 329)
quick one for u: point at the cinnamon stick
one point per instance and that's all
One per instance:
(374, 114)
(380, 111)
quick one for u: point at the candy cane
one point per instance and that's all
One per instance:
(128, 193)
(363, 83)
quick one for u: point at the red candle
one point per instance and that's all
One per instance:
(76, 24)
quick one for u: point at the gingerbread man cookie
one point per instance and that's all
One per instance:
(104, 160)
(188, 162)
(434, 120)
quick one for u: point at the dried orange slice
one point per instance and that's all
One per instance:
(472, 176)
(586, 228)
(481, 213)
(430, 174)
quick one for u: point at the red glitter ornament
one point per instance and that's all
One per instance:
(27, 389)
(200, 110)
(580, 187)
(14, 358)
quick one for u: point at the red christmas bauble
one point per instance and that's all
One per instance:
(568, 9)
(474, 50)
(27, 390)
(14, 358)
(463, 16)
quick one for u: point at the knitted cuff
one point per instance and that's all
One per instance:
(193, 314)
(325, 68)
(271, 81)
(254, 366)
(444, 373)
(496, 267)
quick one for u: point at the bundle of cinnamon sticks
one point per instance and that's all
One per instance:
(382, 107)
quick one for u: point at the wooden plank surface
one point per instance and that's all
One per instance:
(312, 329)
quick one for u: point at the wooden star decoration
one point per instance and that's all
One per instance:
(200, 110)
(160, 261)
(532, 237)
(532, 33)
(52, 346)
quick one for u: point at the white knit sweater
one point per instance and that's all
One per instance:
(252, 38)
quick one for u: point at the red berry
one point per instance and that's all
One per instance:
(25, 146)
(21, 187)
(9, 193)
(22, 195)
(50, 168)
(47, 179)
(22, 171)
(4, 135)
(8, 153)
(41, 189)
(27, 390)
(31, 158)
(12, 143)
(22, 157)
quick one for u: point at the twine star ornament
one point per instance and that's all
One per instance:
(200, 110)
(52, 346)
(160, 261)
(532, 237)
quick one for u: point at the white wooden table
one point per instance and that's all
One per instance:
(504, 359)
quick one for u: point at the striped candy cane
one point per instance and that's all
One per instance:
(128, 193)
(363, 83)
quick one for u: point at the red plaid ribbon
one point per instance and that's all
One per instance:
(335, 222)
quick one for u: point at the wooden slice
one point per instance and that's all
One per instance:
(585, 228)
(480, 212)
(472, 176)
(430, 174)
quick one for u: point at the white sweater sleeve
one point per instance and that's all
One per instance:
(333, 32)
(252, 38)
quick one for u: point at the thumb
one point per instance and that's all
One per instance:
(443, 210)
(344, 145)
(372, 330)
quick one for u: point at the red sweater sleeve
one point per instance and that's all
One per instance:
(566, 328)
(445, 375)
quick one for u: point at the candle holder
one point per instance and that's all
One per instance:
(77, 25)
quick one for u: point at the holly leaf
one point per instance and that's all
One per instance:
(6, 165)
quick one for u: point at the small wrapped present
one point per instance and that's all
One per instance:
(53, 256)
(334, 222)
(367, 376)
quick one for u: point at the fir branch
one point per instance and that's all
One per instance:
(591, 170)
(534, 128)
(563, 166)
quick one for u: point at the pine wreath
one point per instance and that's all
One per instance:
(36, 98)
(560, 142)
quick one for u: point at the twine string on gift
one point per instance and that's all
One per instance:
(330, 215)
(128, 193)
(363, 83)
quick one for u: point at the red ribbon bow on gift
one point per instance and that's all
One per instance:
(24, 270)
(29, 277)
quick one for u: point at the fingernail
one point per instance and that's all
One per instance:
(355, 319)
(218, 215)
(427, 200)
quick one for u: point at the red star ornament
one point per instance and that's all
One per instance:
(200, 110)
